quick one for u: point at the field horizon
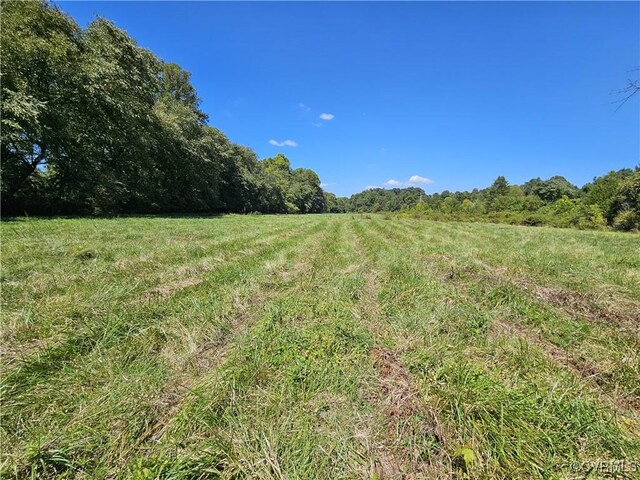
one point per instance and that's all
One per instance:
(317, 346)
(319, 240)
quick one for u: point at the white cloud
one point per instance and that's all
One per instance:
(327, 116)
(285, 143)
(371, 187)
(327, 184)
(317, 125)
(393, 183)
(416, 180)
(304, 107)
(413, 180)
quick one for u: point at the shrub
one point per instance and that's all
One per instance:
(627, 220)
(589, 217)
(533, 220)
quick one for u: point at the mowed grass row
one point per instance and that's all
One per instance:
(97, 384)
(338, 346)
(598, 339)
(523, 413)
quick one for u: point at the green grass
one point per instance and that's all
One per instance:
(328, 346)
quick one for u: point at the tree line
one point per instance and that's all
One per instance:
(611, 200)
(94, 124)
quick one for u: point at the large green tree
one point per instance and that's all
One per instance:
(40, 86)
(92, 123)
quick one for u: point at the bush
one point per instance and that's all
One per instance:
(533, 220)
(589, 217)
(627, 220)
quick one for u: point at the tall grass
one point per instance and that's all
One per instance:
(316, 347)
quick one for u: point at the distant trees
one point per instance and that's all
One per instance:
(92, 123)
(610, 200)
(627, 203)
(334, 204)
(297, 191)
(387, 200)
(550, 190)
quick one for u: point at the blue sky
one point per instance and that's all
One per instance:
(452, 94)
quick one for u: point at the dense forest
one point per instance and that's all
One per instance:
(94, 124)
(609, 200)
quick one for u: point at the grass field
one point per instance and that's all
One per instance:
(295, 347)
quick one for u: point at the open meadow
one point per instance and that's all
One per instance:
(317, 346)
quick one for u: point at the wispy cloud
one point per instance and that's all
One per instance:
(418, 180)
(304, 107)
(317, 125)
(413, 180)
(327, 184)
(371, 187)
(285, 143)
(393, 183)
(327, 116)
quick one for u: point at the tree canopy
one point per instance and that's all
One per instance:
(92, 123)
(612, 199)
